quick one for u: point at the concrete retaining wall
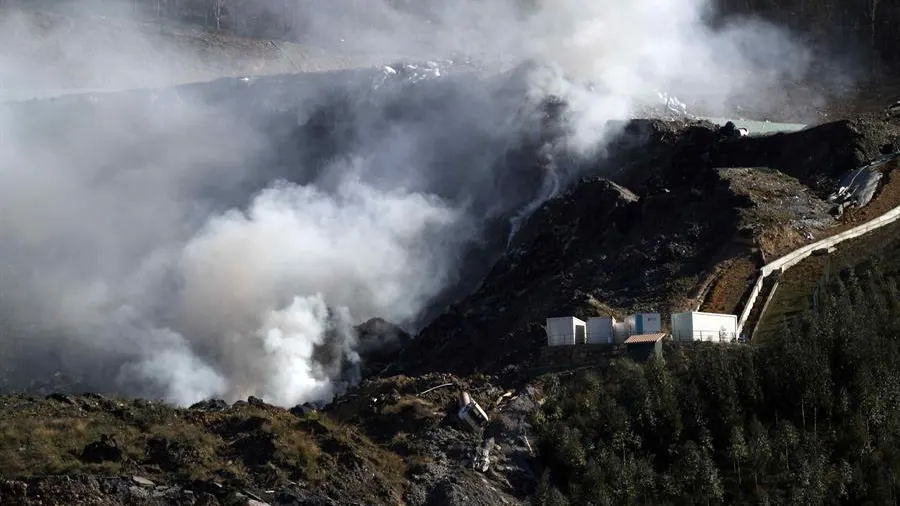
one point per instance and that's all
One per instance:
(799, 254)
(768, 301)
(750, 301)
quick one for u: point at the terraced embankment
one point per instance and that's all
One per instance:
(813, 156)
(797, 286)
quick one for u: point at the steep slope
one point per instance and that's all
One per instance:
(657, 241)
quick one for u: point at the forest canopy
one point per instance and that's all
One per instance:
(810, 416)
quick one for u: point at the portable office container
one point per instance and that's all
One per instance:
(644, 323)
(699, 326)
(565, 330)
(600, 329)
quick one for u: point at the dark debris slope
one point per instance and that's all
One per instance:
(644, 245)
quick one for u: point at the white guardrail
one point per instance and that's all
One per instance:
(796, 256)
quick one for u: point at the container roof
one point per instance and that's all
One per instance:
(645, 338)
(570, 318)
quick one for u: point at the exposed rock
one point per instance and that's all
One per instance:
(170, 455)
(303, 409)
(104, 450)
(211, 405)
(67, 399)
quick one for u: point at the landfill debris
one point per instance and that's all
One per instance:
(858, 186)
(144, 482)
(482, 461)
(471, 413)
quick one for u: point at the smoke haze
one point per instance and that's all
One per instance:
(171, 245)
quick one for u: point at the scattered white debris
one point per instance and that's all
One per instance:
(482, 460)
(144, 482)
(471, 413)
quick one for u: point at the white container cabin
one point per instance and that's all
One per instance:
(699, 326)
(620, 332)
(565, 330)
(600, 329)
(643, 323)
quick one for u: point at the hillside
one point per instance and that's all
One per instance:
(808, 417)
(679, 214)
(801, 287)
(249, 272)
(388, 442)
(685, 223)
(85, 52)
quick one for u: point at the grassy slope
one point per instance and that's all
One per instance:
(254, 445)
(797, 285)
(800, 281)
(730, 290)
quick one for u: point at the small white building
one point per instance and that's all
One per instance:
(565, 330)
(643, 323)
(699, 326)
(600, 330)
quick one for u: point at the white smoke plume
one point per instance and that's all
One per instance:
(132, 250)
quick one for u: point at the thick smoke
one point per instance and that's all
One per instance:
(140, 253)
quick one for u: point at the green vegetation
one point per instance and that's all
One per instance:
(245, 444)
(810, 416)
(811, 275)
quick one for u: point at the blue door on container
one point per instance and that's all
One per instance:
(639, 324)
